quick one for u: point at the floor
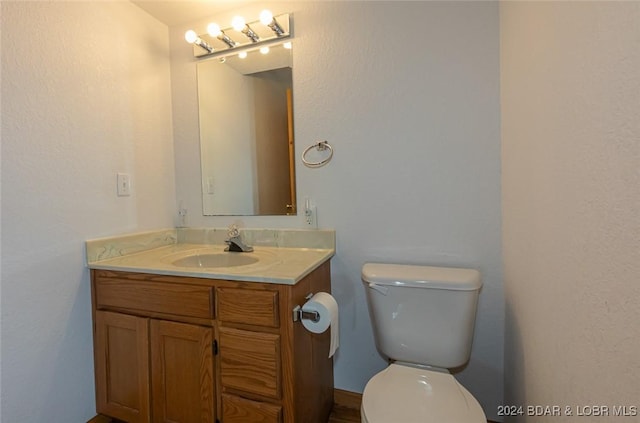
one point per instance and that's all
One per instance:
(339, 414)
(346, 409)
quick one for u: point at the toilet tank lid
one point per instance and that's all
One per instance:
(450, 278)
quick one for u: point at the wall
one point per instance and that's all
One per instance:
(408, 95)
(85, 94)
(229, 134)
(571, 203)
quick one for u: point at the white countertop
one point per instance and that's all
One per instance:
(281, 265)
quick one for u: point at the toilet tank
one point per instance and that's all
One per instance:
(422, 314)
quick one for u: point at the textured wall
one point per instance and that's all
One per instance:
(85, 94)
(408, 95)
(571, 202)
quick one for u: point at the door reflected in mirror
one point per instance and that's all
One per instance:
(246, 134)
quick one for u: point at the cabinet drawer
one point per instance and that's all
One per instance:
(248, 306)
(240, 410)
(158, 297)
(250, 362)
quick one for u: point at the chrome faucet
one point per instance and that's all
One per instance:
(234, 241)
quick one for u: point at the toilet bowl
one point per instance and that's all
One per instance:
(423, 319)
(404, 394)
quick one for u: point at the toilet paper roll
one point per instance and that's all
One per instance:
(327, 308)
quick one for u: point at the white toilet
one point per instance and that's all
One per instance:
(423, 319)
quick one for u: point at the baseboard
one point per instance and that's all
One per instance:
(100, 419)
(104, 419)
(347, 399)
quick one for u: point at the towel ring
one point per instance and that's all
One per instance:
(320, 146)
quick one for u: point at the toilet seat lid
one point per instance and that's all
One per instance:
(403, 394)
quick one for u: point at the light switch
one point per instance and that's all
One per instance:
(124, 185)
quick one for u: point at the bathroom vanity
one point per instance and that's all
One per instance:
(192, 344)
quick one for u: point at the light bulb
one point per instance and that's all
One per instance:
(264, 50)
(266, 17)
(238, 23)
(287, 45)
(191, 36)
(214, 29)
(242, 55)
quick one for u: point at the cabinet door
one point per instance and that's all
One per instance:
(122, 366)
(250, 362)
(241, 410)
(182, 369)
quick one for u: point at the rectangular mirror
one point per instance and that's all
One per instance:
(246, 133)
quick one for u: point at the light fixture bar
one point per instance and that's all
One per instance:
(225, 39)
(201, 43)
(250, 34)
(275, 26)
(240, 25)
(215, 42)
(266, 18)
(214, 30)
(191, 37)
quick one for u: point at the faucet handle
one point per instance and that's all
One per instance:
(233, 231)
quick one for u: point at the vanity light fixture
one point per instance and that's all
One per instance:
(214, 30)
(192, 38)
(266, 18)
(238, 23)
(266, 31)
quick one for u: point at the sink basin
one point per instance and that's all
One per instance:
(215, 260)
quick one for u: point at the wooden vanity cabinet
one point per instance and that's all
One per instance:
(153, 368)
(193, 350)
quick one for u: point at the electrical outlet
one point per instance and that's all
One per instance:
(124, 185)
(182, 217)
(311, 217)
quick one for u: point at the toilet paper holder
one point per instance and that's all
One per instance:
(300, 314)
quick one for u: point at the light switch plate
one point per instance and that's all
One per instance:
(124, 185)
